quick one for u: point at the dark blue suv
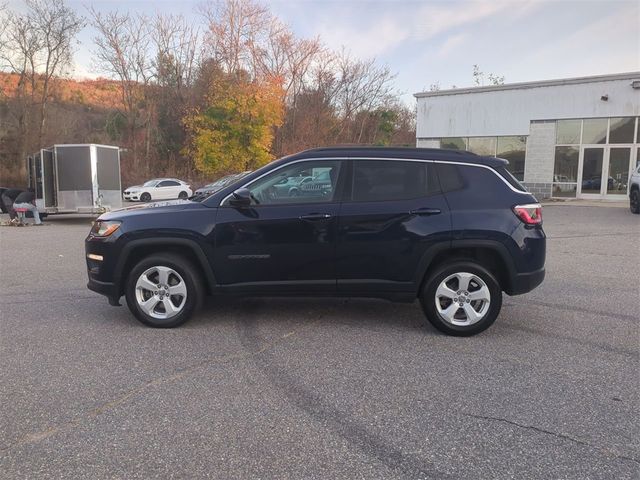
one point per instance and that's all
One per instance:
(450, 228)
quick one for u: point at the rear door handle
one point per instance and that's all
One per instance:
(314, 217)
(425, 211)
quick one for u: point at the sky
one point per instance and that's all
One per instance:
(438, 42)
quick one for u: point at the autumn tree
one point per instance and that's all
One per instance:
(233, 131)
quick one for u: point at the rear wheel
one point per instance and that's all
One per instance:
(163, 291)
(634, 202)
(183, 195)
(145, 197)
(461, 299)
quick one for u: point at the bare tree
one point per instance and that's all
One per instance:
(361, 86)
(176, 65)
(57, 26)
(177, 48)
(235, 28)
(123, 51)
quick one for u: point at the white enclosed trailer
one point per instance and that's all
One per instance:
(76, 178)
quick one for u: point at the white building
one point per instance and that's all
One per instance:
(576, 137)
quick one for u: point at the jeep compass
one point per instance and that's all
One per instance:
(451, 229)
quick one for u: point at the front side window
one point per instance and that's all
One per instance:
(383, 180)
(303, 182)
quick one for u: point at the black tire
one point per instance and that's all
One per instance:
(439, 274)
(183, 195)
(189, 274)
(145, 197)
(634, 201)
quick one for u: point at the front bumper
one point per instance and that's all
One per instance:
(525, 282)
(108, 289)
(132, 197)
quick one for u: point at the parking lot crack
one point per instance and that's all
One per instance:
(549, 432)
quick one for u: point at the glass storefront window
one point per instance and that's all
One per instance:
(621, 130)
(565, 172)
(618, 170)
(454, 143)
(594, 130)
(482, 145)
(513, 149)
(568, 131)
(592, 170)
(565, 167)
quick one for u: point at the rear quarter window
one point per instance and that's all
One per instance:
(469, 188)
(513, 181)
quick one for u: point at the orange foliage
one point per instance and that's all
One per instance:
(100, 93)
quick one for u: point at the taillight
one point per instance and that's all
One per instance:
(530, 214)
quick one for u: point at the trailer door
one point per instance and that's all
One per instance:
(108, 175)
(49, 179)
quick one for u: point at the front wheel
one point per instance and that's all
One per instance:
(163, 291)
(634, 202)
(461, 299)
(145, 197)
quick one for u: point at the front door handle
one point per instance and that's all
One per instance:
(425, 211)
(314, 217)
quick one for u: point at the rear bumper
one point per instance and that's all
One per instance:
(525, 282)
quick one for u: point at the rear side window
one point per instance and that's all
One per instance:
(383, 180)
(450, 177)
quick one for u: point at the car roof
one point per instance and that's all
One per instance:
(364, 152)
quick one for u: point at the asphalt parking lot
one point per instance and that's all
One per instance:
(324, 388)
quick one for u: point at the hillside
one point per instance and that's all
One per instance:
(100, 93)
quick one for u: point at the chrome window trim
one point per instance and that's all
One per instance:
(315, 159)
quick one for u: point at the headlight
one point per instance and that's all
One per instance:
(102, 228)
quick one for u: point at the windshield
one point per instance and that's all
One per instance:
(150, 183)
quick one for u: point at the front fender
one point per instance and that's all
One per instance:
(192, 245)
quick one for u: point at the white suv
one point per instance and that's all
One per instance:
(634, 190)
(158, 189)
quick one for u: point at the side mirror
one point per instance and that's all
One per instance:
(241, 198)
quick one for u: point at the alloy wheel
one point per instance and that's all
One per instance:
(161, 292)
(462, 299)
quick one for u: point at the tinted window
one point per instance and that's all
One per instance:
(449, 176)
(168, 183)
(302, 182)
(378, 180)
